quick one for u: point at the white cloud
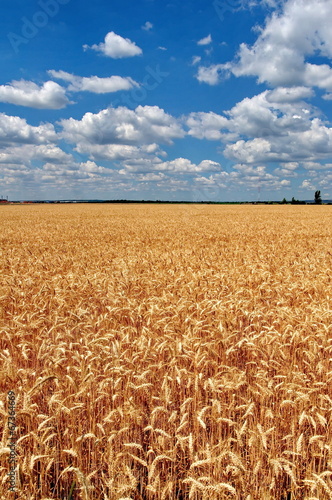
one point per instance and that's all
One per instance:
(292, 94)
(116, 46)
(245, 169)
(83, 171)
(205, 41)
(207, 125)
(284, 172)
(306, 184)
(183, 165)
(147, 26)
(258, 117)
(270, 127)
(94, 83)
(212, 187)
(144, 125)
(249, 152)
(25, 154)
(310, 144)
(118, 152)
(312, 165)
(210, 74)
(151, 177)
(278, 56)
(24, 93)
(252, 117)
(243, 177)
(195, 60)
(270, 3)
(177, 166)
(292, 165)
(51, 153)
(319, 75)
(92, 167)
(15, 130)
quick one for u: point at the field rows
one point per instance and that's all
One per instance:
(167, 352)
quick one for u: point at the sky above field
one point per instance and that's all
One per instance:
(181, 100)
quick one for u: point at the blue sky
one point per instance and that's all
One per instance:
(179, 100)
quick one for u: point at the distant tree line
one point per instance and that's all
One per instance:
(317, 200)
(293, 202)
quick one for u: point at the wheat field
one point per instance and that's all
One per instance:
(167, 351)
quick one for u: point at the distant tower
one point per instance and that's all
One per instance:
(259, 191)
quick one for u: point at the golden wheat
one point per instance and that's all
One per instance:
(167, 352)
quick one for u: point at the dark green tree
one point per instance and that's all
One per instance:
(318, 198)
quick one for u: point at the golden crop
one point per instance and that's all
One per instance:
(167, 352)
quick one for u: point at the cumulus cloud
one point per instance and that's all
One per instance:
(18, 169)
(284, 172)
(313, 165)
(274, 126)
(289, 94)
(292, 165)
(176, 166)
(212, 187)
(207, 125)
(22, 148)
(315, 143)
(278, 57)
(50, 153)
(211, 75)
(16, 130)
(94, 83)
(119, 152)
(244, 176)
(144, 125)
(259, 116)
(50, 95)
(306, 184)
(24, 154)
(92, 168)
(116, 46)
(253, 151)
(163, 174)
(205, 41)
(183, 165)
